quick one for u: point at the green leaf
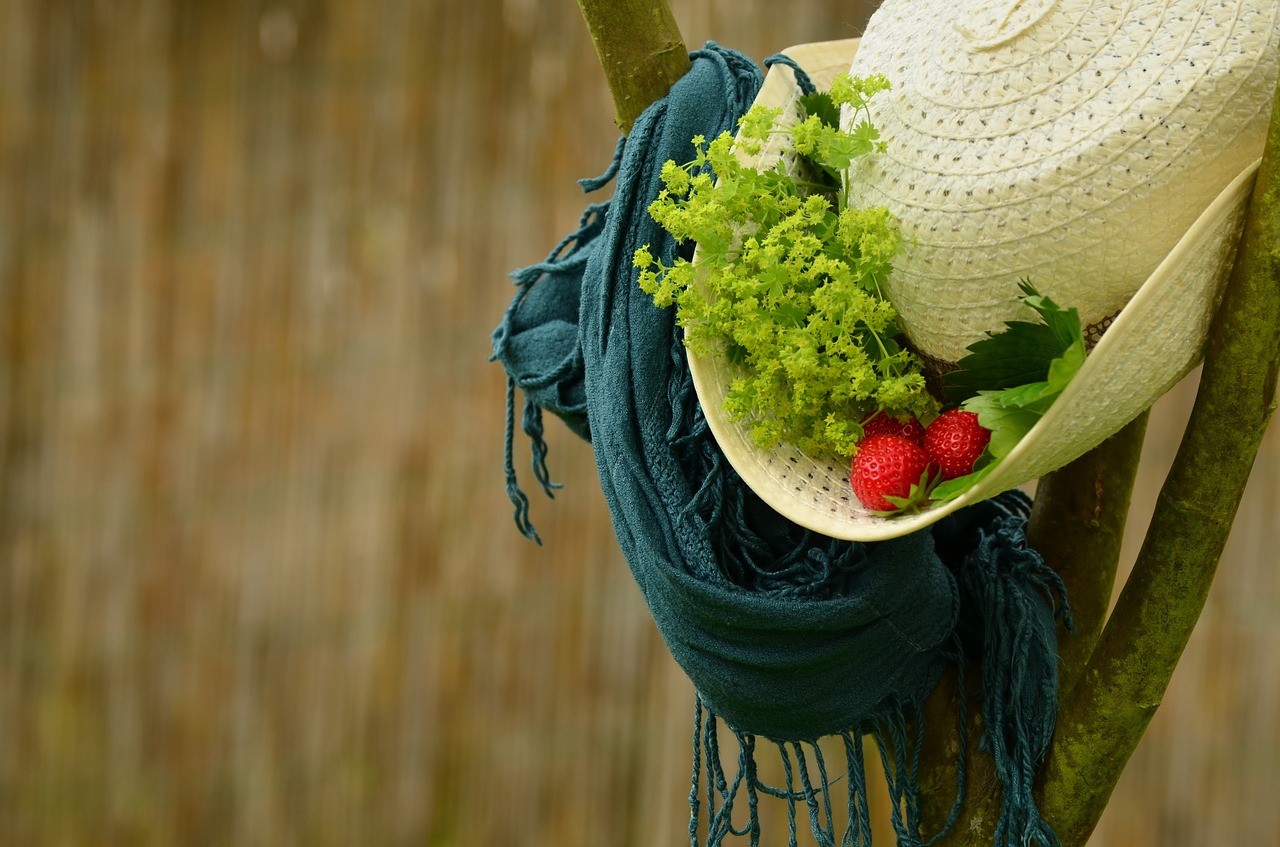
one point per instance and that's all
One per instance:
(953, 488)
(1008, 422)
(1012, 394)
(822, 106)
(789, 315)
(1034, 397)
(1065, 323)
(1063, 368)
(1022, 354)
(865, 136)
(1018, 356)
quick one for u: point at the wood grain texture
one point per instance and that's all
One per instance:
(259, 583)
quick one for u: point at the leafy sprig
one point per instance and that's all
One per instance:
(788, 281)
(1011, 379)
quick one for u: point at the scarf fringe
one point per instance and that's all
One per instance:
(809, 784)
(1020, 599)
(567, 259)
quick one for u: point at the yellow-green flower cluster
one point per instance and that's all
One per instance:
(788, 282)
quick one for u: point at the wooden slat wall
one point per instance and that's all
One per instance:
(259, 584)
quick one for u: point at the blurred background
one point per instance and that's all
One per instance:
(259, 581)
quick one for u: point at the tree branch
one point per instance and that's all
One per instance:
(1077, 524)
(640, 50)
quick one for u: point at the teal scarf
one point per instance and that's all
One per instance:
(787, 636)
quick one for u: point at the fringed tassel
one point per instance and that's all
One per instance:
(517, 496)
(596, 183)
(901, 762)
(719, 796)
(1021, 600)
(858, 832)
(569, 257)
(532, 426)
(807, 781)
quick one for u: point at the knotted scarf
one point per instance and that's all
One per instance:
(788, 636)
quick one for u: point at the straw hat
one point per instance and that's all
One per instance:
(1105, 150)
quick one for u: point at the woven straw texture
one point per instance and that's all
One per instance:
(1070, 142)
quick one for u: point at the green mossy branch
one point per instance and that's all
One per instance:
(640, 49)
(1078, 524)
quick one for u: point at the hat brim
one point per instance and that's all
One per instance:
(1155, 341)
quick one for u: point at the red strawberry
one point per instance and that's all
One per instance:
(883, 423)
(889, 466)
(954, 441)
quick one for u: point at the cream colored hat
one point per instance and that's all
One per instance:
(1104, 150)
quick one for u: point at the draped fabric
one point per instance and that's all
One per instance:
(787, 636)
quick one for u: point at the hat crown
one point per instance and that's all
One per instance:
(1066, 141)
